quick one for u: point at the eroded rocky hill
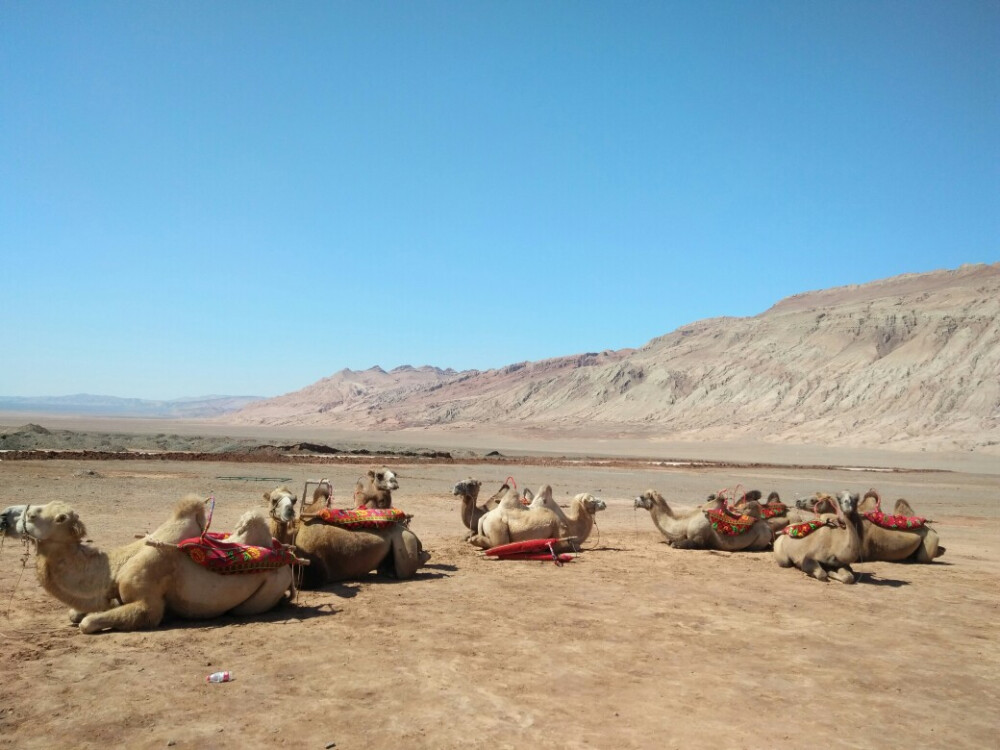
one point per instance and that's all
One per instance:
(911, 361)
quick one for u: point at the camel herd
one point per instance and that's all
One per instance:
(134, 586)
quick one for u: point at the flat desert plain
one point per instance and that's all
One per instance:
(632, 645)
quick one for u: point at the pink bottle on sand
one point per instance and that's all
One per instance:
(219, 677)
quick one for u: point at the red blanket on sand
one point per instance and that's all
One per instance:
(215, 553)
(362, 518)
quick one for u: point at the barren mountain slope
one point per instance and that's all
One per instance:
(910, 361)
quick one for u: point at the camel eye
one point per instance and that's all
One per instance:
(61, 518)
(380, 475)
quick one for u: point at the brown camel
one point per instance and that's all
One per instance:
(338, 554)
(148, 581)
(829, 550)
(468, 491)
(579, 521)
(510, 521)
(375, 490)
(691, 528)
(918, 544)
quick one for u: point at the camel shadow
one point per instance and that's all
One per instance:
(870, 579)
(287, 612)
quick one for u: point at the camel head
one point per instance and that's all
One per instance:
(323, 492)
(649, 499)
(468, 488)
(848, 502)
(590, 503)
(383, 479)
(281, 502)
(821, 502)
(10, 520)
(52, 522)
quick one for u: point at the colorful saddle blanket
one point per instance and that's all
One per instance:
(801, 530)
(212, 551)
(728, 524)
(773, 509)
(897, 523)
(362, 518)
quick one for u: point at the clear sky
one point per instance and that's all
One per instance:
(244, 197)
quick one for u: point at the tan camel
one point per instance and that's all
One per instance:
(338, 554)
(148, 581)
(468, 491)
(830, 550)
(895, 545)
(510, 521)
(774, 512)
(579, 521)
(691, 528)
(375, 490)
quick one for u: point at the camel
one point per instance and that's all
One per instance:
(468, 490)
(895, 545)
(132, 587)
(691, 528)
(510, 521)
(339, 554)
(774, 512)
(578, 523)
(827, 552)
(375, 490)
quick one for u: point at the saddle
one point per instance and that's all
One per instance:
(802, 530)
(362, 518)
(773, 509)
(727, 524)
(212, 551)
(895, 523)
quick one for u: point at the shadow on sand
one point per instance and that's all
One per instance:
(871, 579)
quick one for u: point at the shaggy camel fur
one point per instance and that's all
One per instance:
(339, 554)
(895, 545)
(470, 512)
(148, 581)
(691, 528)
(827, 552)
(375, 490)
(579, 522)
(510, 521)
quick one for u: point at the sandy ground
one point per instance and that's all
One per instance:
(632, 645)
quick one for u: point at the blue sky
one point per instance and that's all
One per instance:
(243, 197)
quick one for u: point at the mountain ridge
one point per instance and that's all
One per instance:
(909, 361)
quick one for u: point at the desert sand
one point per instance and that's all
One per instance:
(632, 645)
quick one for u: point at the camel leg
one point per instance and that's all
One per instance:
(75, 616)
(132, 616)
(843, 574)
(929, 548)
(812, 568)
(407, 554)
(271, 591)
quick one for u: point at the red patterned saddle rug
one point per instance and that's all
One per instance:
(729, 525)
(212, 551)
(773, 509)
(802, 530)
(362, 518)
(896, 523)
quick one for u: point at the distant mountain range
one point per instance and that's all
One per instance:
(112, 406)
(911, 362)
